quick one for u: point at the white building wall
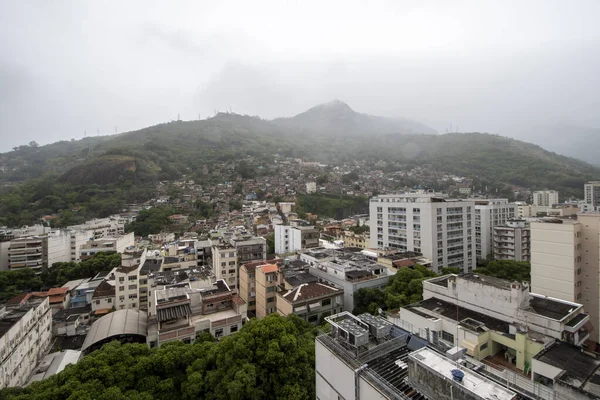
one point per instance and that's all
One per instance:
(487, 216)
(24, 344)
(443, 231)
(225, 265)
(545, 198)
(287, 239)
(555, 259)
(334, 377)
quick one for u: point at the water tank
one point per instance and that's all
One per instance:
(457, 375)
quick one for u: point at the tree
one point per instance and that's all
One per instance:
(451, 270)
(271, 243)
(507, 269)
(368, 300)
(273, 358)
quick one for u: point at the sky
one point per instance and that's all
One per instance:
(71, 68)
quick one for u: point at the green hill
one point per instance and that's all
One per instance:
(112, 170)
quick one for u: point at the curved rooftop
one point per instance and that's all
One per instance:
(114, 326)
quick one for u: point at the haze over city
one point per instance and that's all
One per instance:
(512, 68)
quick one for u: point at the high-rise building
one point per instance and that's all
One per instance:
(488, 214)
(512, 241)
(545, 198)
(289, 239)
(440, 228)
(565, 262)
(592, 195)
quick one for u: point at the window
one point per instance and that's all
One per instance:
(232, 271)
(223, 264)
(97, 302)
(132, 287)
(233, 328)
(483, 346)
(270, 299)
(121, 279)
(448, 337)
(133, 296)
(219, 332)
(121, 288)
(252, 303)
(109, 300)
(231, 262)
(132, 278)
(271, 289)
(326, 302)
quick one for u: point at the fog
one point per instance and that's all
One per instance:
(519, 69)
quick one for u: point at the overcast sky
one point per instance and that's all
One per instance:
(489, 66)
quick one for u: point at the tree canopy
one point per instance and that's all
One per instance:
(507, 269)
(150, 221)
(272, 358)
(405, 287)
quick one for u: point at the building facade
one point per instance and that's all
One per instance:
(442, 229)
(545, 198)
(592, 195)
(512, 241)
(490, 213)
(565, 262)
(25, 335)
(289, 239)
(310, 301)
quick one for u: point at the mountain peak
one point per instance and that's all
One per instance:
(334, 105)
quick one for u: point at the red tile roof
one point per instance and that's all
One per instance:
(269, 268)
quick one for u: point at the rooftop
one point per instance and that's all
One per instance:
(580, 369)
(434, 308)
(550, 307)
(268, 268)
(308, 291)
(65, 313)
(480, 387)
(487, 280)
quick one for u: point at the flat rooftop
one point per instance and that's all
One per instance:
(478, 385)
(434, 308)
(581, 370)
(487, 280)
(551, 308)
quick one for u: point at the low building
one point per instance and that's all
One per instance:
(59, 298)
(25, 335)
(116, 244)
(347, 269)
(126, 326)
(397, 260)
(180, 312)
(310, 301)
(568, 371)
(103, 298)
(493, 318)
(71, 321)
(54, 363)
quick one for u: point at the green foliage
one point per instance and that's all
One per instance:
(18, 281)
(507, 269)
(62, 272)
(271, 243)
(359, 229)
(451, 270)
(272, 358)
(405, 287)
(150, 221)
(326, 205)
(350, 178)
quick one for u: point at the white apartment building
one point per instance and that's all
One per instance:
(440, 228)
(224, 263)
(289, 239)
(311, 187)
(39, 252)
(592, 195)
(512, 241)
(102, 227)
(488, 214)
(543, 199)
(25, 334)
(565, 262)
(127, 280)
(109, 244)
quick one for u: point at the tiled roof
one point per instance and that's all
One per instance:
(103, 290)
(269, 268)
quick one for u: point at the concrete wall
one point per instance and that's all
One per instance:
(589, 269)
(334, 377)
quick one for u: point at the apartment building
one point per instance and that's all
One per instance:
(93, 246)
(39, 252)
(565, 262)
(347, 269)
(592, 195)
(25, 335)
(247, 287)
(440, 228)
(490, 213)
(310, 301)
(127, 279)
(249, 248)
(266, 289)
(289, 239)
(493, 318)
(181, 312)
(311, 187)
(224, 262)
(544, 199)
(512, 241)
